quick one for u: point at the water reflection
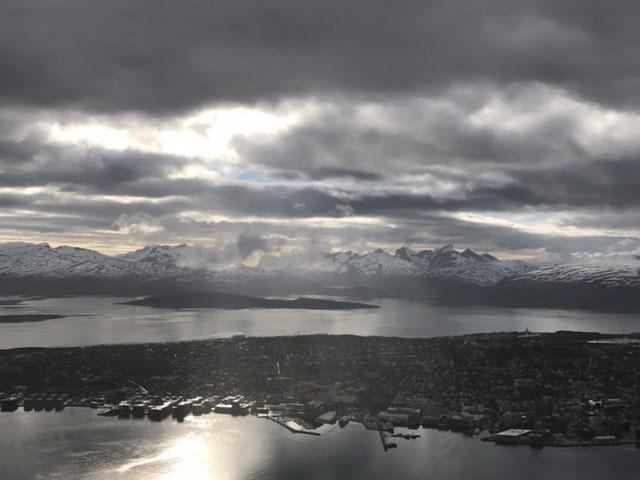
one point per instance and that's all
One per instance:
(77, 444)
(182, 460)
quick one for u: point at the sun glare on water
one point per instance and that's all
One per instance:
(186, 459)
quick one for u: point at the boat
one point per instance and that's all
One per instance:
(159, 412)
(181, 409)
(49, 403)
(38, 404)
(124, 410)
(138, 410)
(28, 404)
(9, 404)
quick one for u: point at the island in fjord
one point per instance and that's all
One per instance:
(235, 302)
(28, 318)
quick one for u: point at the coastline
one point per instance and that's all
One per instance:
(382, 382)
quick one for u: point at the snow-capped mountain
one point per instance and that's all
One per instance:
(377, 262)
(153, 262)
(609, 271)
(164, 260)
(25, 259)
(189, 263)
(40, 268)
(444, 263)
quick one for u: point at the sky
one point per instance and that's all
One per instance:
(267, 128)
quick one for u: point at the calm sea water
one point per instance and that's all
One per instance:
(101, 320)
(77, 444)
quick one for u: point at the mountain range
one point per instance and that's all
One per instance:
(443, 274)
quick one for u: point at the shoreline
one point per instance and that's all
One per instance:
(558, 388)
(296, 426)
(594, 337)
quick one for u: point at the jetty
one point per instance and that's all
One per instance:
(292, 425)
(385, 443)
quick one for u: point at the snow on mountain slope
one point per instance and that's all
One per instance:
(377, 262)
(160, 260)
(445, 263)
(184, 261)
(150, 263)
(166, 260)
(617, 270)
(471, 267)
(24, 259)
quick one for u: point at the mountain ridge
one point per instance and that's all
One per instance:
(443, 274)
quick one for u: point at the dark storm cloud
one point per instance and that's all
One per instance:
(598, 183)
(163, 56)
(13, 153)
(32, 162)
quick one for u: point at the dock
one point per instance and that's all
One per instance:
(385, 444)
(291, 425)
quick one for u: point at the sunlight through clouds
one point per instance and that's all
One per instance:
(203, 134)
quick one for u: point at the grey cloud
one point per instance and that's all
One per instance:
(167, 56)
(428, 67)
(33, 162)
(53, 222)
(435, 230)
(605, 218)
(567, 182)
(249, 243)
(591, 184)
(169, 225)
(430, 229)
(414, 133)
(330, 173)
(12, 201)
(13, 152)
(597, 183)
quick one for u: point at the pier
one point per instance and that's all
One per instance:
(292, 425)
(385, 444)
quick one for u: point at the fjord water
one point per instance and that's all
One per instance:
(77, 444)
(103, 320)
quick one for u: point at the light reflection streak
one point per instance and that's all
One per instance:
(185, 458)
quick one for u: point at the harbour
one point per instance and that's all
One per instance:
(81, 445)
